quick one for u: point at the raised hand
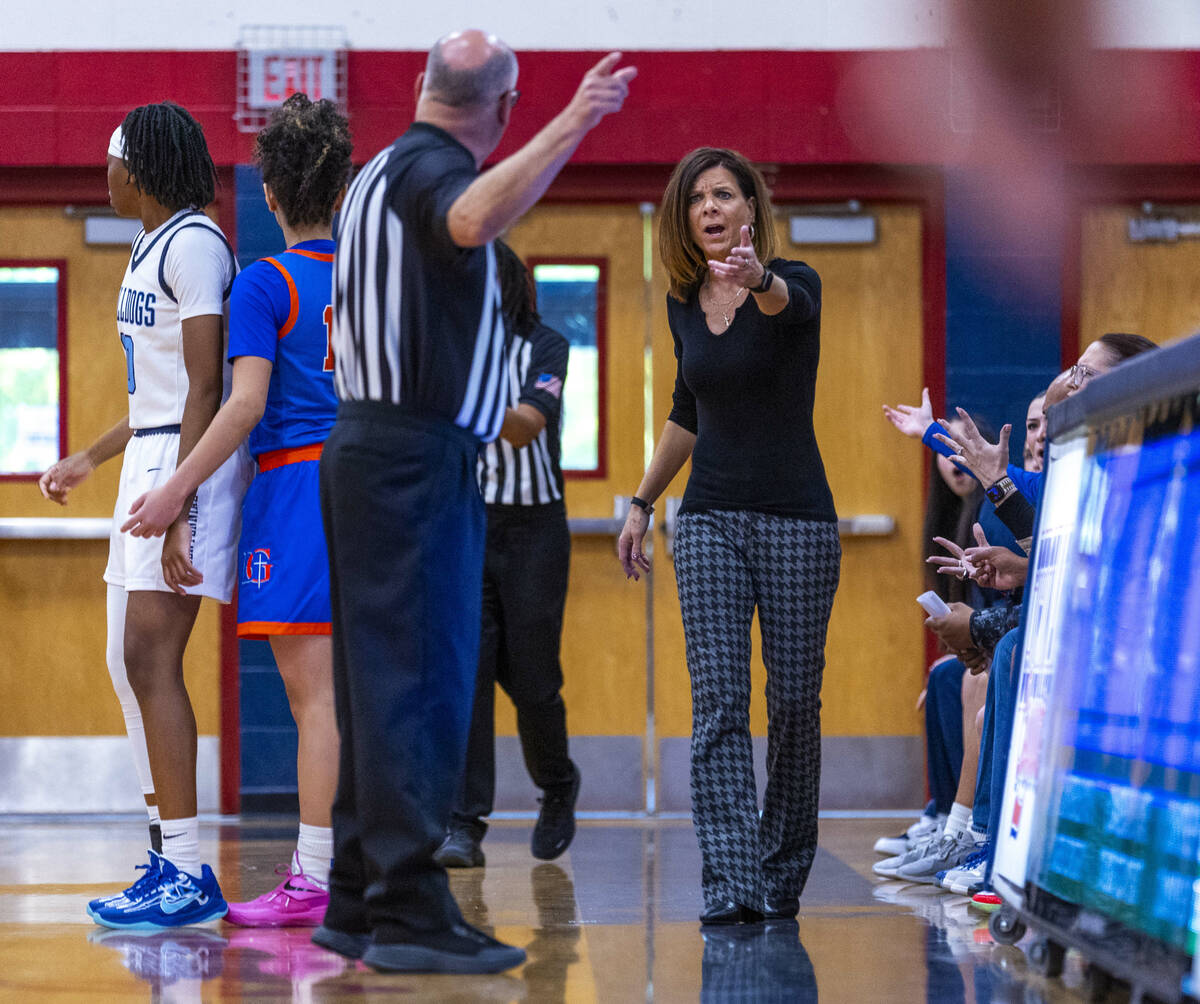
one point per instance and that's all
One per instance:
(742, 265)
(997, 567)
(602, 91)
(957, 564)
(909, 419)
(987, 461)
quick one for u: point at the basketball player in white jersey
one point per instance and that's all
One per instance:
(171, 321)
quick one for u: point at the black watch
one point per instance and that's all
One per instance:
(1001, 490)
(765, 284)
(642, 504)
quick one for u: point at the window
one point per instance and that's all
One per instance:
(571, 301)
(31, 366)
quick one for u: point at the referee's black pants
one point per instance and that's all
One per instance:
(405, 526)
(525, 570)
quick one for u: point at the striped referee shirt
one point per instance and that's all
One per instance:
(416, 319)
(531, 474)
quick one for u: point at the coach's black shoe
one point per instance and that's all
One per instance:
(780, 907)
(460, 849)
(458, 949)
(730, 912)
(555, 827)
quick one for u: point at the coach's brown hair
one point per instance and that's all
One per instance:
(684, 261)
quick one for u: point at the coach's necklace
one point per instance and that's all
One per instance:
(721, 306)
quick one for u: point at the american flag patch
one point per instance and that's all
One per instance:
(549, 383)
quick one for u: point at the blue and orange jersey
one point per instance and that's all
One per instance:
(279, 310)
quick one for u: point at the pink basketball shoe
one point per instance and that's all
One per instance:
(296, 902)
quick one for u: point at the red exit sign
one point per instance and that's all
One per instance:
(277, 73)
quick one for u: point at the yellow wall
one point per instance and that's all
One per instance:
(871, 353)
(51, 592)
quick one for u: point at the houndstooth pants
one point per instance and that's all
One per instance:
(727, 563)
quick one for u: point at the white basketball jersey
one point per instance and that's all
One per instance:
(183, 269)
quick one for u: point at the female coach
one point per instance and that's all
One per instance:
(757, 528)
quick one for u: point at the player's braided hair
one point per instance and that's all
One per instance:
(304, 155)
(167, 156)
(518, 294)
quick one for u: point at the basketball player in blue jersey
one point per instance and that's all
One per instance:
(170, 317)
(283, 397)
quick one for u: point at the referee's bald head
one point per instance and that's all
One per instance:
(469, 69)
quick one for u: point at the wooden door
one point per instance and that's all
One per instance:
(604, 634)
(1150, 289)
(871, 353)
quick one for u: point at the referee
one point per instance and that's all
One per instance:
(525, 567)
(419, 343)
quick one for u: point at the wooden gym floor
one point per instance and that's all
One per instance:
(613, 920)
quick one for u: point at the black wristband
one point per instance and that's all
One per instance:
(642, 504)
(765, 284)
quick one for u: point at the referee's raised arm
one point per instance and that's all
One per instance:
(500, 196)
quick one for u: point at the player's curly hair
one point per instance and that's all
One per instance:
(518, 293)
(304, 155)
(167, 157)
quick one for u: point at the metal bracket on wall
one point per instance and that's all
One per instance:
(874, 524)
(55, 528)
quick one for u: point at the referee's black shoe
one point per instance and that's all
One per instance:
(460, 948)
(555, 827)
(460, 849)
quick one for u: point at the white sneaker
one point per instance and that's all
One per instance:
(959, 880)
(907, 840)
(890, 867)
(949, 852)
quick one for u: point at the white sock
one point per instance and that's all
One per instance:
(152, 812)
(314, 849)
(958, 822)
(181, 844)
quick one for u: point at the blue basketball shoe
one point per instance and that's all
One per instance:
(135, 891)
(177, 899)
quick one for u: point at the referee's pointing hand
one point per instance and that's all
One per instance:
(602, 91)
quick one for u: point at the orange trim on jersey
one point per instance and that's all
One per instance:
(314, 255)
(295, 298)
(271, 459)
(264, 629)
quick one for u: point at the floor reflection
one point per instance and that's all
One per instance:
(553, 949)
(760, 962)
(612, 920)
(172, 963)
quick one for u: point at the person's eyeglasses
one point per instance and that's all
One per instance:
(1081, 374)
(512, 97)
